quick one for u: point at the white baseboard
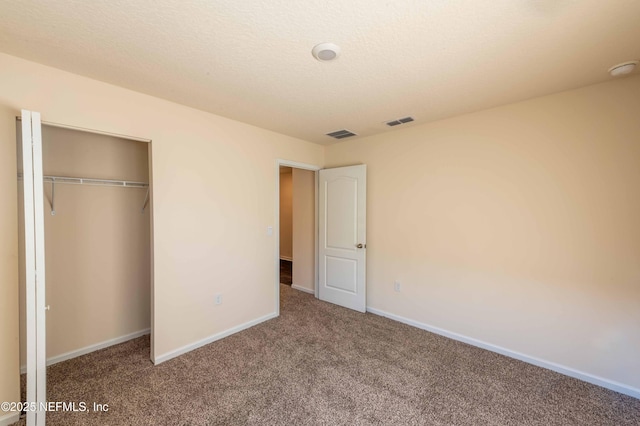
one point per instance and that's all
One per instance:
(306, 290)
(9, 418)
(195, 345)
(290, 259)
(91, 348)
(567, 371)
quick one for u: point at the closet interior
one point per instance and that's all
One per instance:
(97, 241)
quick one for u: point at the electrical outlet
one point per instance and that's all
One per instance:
(396, 286)
(218, 299)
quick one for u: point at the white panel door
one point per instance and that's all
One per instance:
(342, 244)
(34, 262)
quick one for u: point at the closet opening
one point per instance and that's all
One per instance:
(98, 253)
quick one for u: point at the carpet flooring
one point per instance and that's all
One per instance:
(320, 364)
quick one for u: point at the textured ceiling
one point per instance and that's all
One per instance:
(250, 60)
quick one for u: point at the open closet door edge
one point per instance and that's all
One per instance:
(34, 264)
(41, 327)
(30, 261)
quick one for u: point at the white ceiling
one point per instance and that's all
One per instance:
(250, 60)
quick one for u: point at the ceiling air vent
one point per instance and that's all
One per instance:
(341, 134)
(399, 121)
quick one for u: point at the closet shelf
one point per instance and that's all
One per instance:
(92, 181)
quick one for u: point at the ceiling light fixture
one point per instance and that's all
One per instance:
(623, 68)
(325, 51)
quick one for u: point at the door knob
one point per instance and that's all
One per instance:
(359, 245)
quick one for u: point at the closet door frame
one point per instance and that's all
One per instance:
(35, 294)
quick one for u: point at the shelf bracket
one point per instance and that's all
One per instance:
(146, 198)
(53, 196)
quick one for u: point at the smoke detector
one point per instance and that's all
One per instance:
(325, 51)
(623, 68)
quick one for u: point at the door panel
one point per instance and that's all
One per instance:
(30, 260)
(342, 236)
(342, 273)
(34, 264)
(342, 218)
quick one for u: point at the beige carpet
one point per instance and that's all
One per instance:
(319, 364)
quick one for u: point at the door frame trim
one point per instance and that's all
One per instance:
(276, 228)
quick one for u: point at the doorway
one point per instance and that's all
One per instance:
(338, 237)
(296, 260)
(286, 225)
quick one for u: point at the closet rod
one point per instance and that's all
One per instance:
(92, 181)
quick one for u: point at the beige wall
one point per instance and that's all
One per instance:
(210, 232)
(517, 226)
(286, 213)
(97, 244)
(9, 343)
(304, 229)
